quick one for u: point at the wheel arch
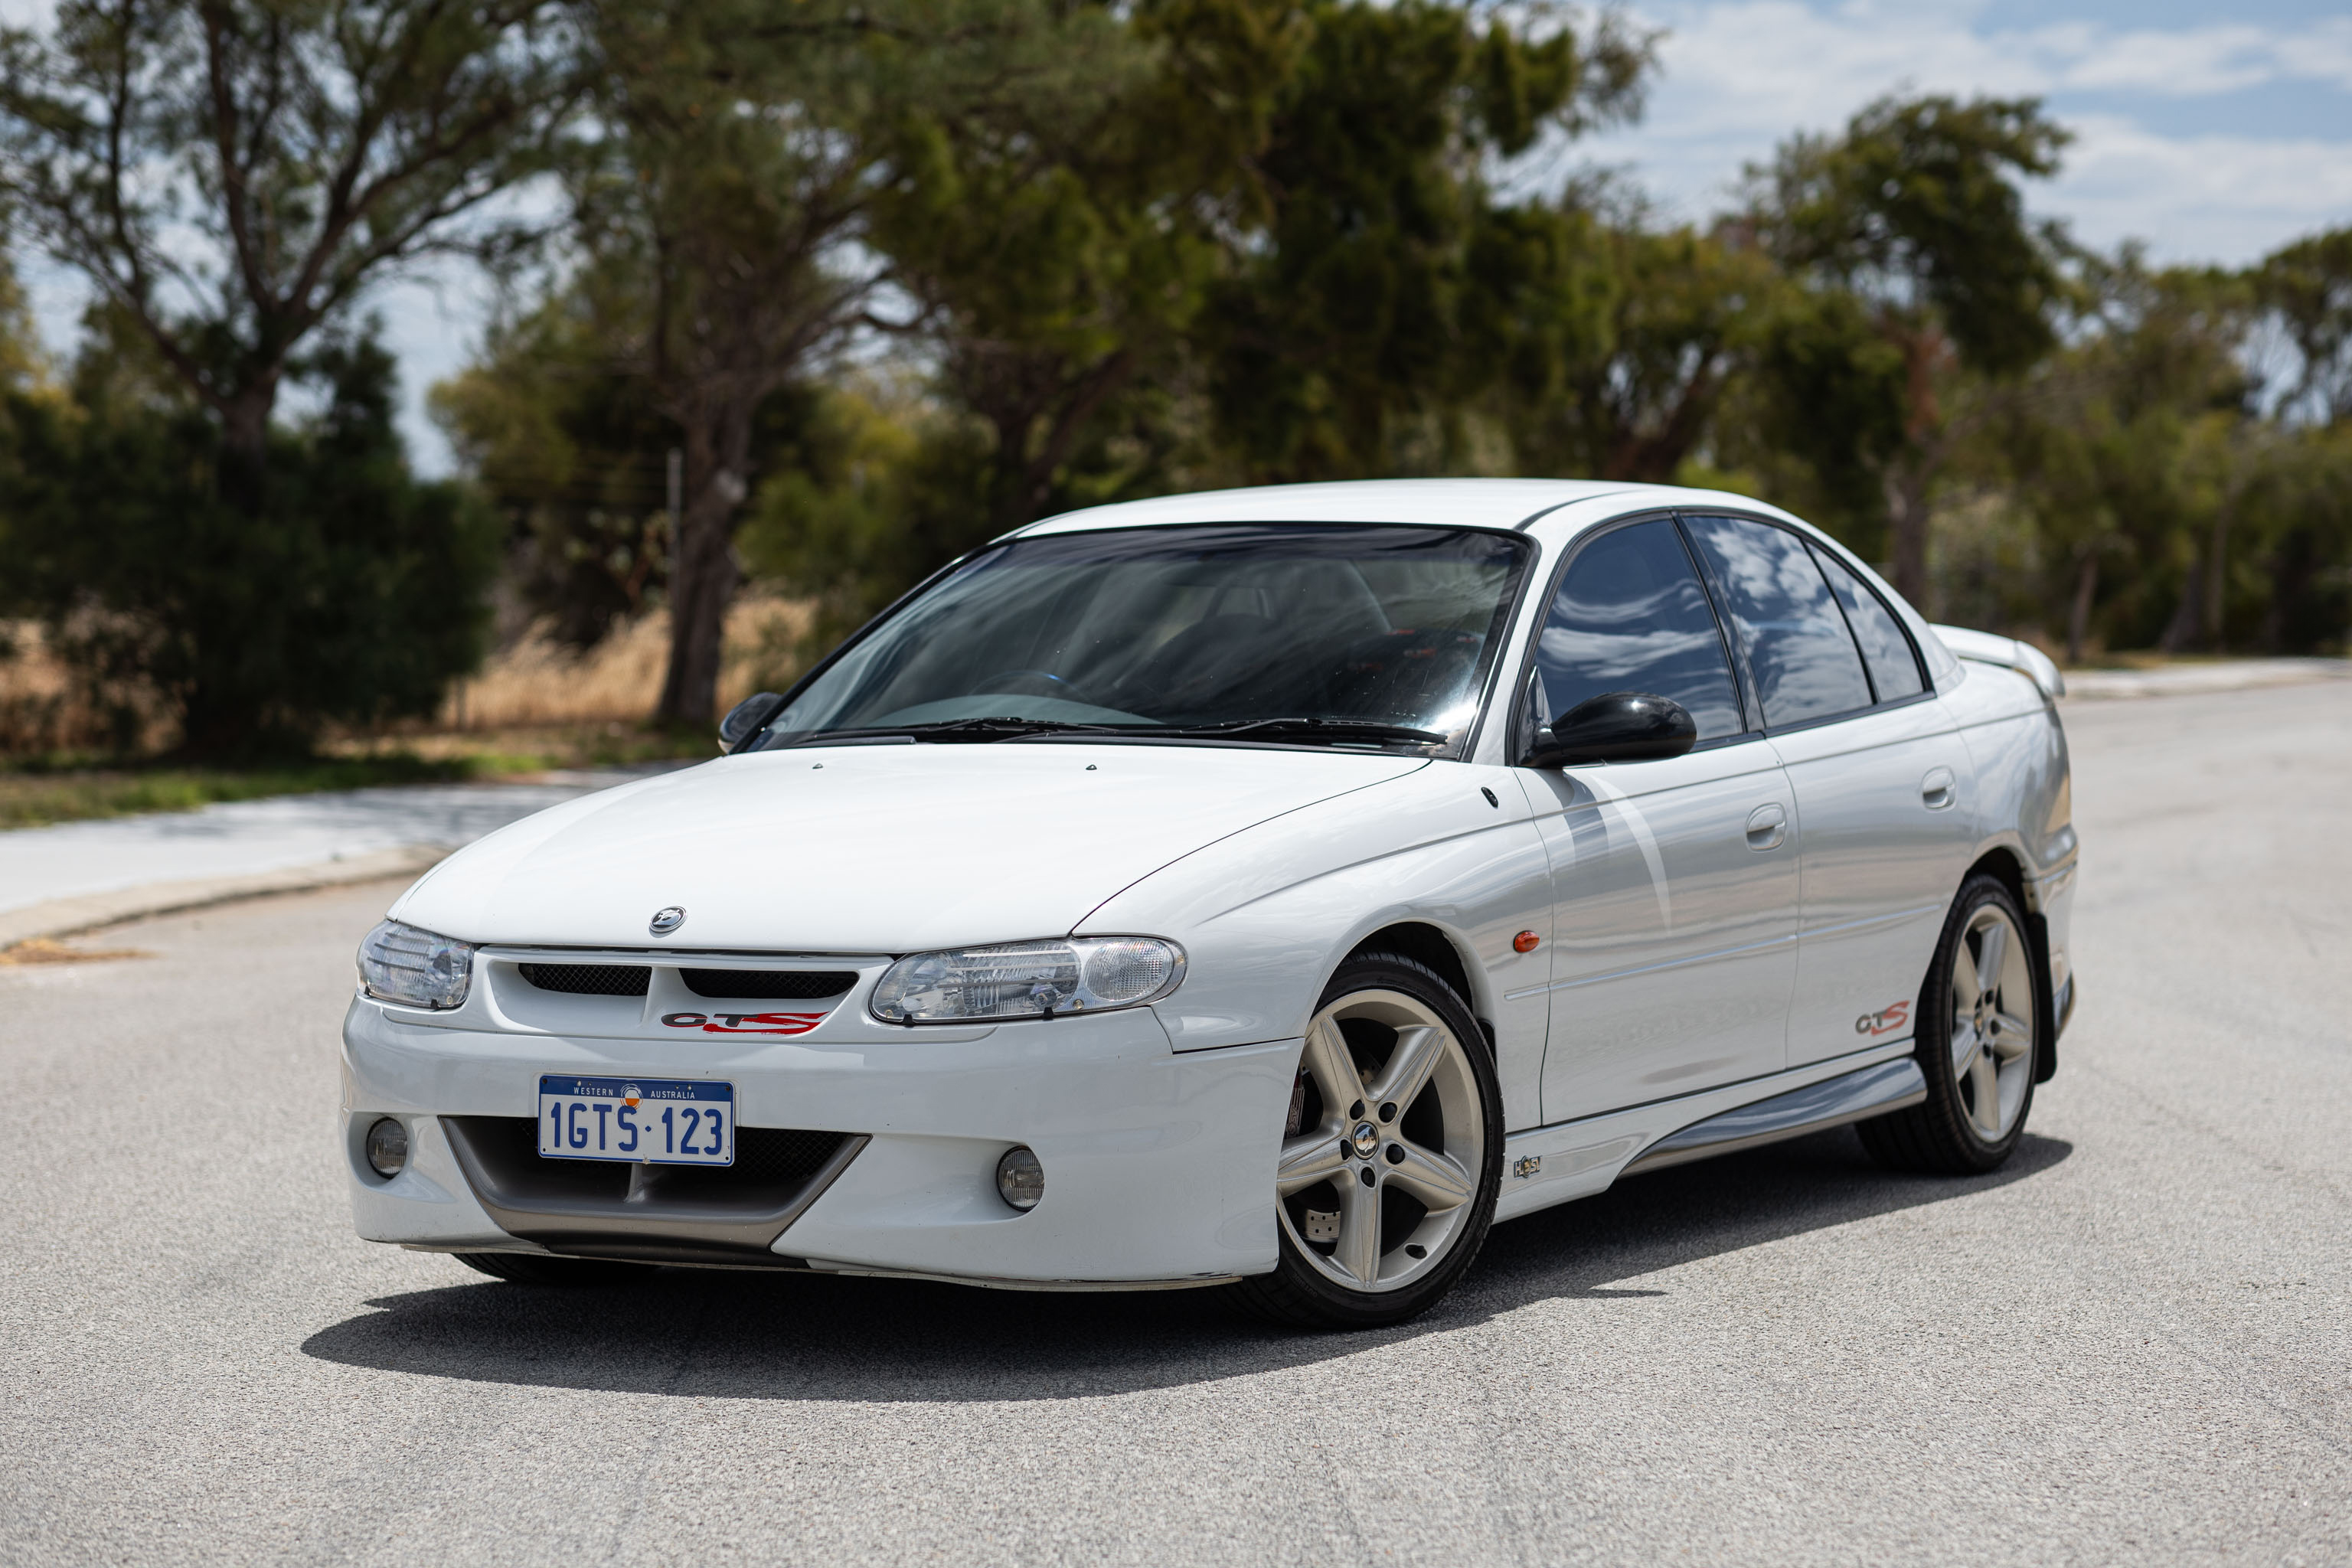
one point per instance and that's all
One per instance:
(1434, 947)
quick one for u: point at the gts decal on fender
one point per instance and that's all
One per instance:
(1885, 1021)
(745, 1023)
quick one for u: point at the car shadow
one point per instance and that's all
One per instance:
(750, 1336)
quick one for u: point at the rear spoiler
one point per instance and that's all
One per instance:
(1983, 648)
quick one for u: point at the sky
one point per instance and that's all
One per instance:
(2209, 133)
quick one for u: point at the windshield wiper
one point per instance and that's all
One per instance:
(990, 728)
(1007, 728)
(1311, 728)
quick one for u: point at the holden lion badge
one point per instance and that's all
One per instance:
(666, 921)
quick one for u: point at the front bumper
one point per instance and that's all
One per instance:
(1159, 1166)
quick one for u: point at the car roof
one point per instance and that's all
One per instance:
(1459, 504)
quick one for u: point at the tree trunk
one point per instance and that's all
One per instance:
(244, 447)
(1907, 511)
(1906, 477)
(2078, 618)
(228, 718)
(704, 572)
(1023, 479)
(2217, 577)
(2180, 632)
(1655, 458)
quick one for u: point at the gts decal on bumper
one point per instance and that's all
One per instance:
(1885, 1021)
(745, 1023)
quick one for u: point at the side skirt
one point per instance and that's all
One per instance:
(1872, 1091)
(1547, 1165)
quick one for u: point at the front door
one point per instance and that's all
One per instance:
(1675, 882)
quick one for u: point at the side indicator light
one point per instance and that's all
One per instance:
(1525, 942)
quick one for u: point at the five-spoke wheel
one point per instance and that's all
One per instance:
(1992, 1022)
(1979, 1029)
(1385, 1184)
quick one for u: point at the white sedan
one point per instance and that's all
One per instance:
(1268, 890)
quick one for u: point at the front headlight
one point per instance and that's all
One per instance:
(416, 968)
(1028, 979)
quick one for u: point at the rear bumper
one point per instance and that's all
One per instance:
(1159, 1166)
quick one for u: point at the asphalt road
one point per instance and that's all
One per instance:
(2133, 1345)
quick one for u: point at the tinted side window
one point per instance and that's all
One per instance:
(1632, 616)
(1894, 668)
(1797, 649)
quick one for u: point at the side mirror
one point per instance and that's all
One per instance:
(1615, 726)
(746, 719)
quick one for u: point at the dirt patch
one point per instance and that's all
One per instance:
(42, 950)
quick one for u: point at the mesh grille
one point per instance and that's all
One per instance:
(778, 1154)
(768, 984)
(588, 979)
(768, 1161)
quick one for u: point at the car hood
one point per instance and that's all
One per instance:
(869, 848)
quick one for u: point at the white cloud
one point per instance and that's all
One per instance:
(2198, 61)
(1740, 76)
(2222, 198)
(1747, 55)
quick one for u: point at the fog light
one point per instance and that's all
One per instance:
(1021, 1179)
(387, 1148)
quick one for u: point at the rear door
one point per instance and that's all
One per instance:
(1878, 770)
(1675, 882)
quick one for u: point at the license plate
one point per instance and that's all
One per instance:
(656, 1121)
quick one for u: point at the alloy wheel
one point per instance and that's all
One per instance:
(1993, 1029)
(1377, 1169)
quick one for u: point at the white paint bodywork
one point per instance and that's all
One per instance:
(1682, 971)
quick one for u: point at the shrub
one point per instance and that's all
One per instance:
(354, 595)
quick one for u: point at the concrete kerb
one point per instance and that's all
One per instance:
(2204, 679)
(76, 916)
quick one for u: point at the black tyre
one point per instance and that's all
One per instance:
(1978, 1033)
(538, 1269)
(1392, 1155)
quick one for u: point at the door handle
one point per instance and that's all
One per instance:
(1767, 825)
(1937, 789)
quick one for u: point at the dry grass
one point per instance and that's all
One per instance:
(536, 682)
(534, 708)
(534, 692)
(41, 710)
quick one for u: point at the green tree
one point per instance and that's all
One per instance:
(24, 364)
(230, 175)
(2308, 286)
(1377, 296)
(871, 489)
(1913, 214)
(576, 458)
(1060, 247)
(2292, 589)
(1623, 379)
(2131, 449)
(354, 596)
(2298, 505)
(726, 220)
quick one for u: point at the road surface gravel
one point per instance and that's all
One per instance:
(2132, 1345)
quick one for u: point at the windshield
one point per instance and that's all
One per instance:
(1340, 634)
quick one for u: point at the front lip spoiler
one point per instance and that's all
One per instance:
(644, 1228)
